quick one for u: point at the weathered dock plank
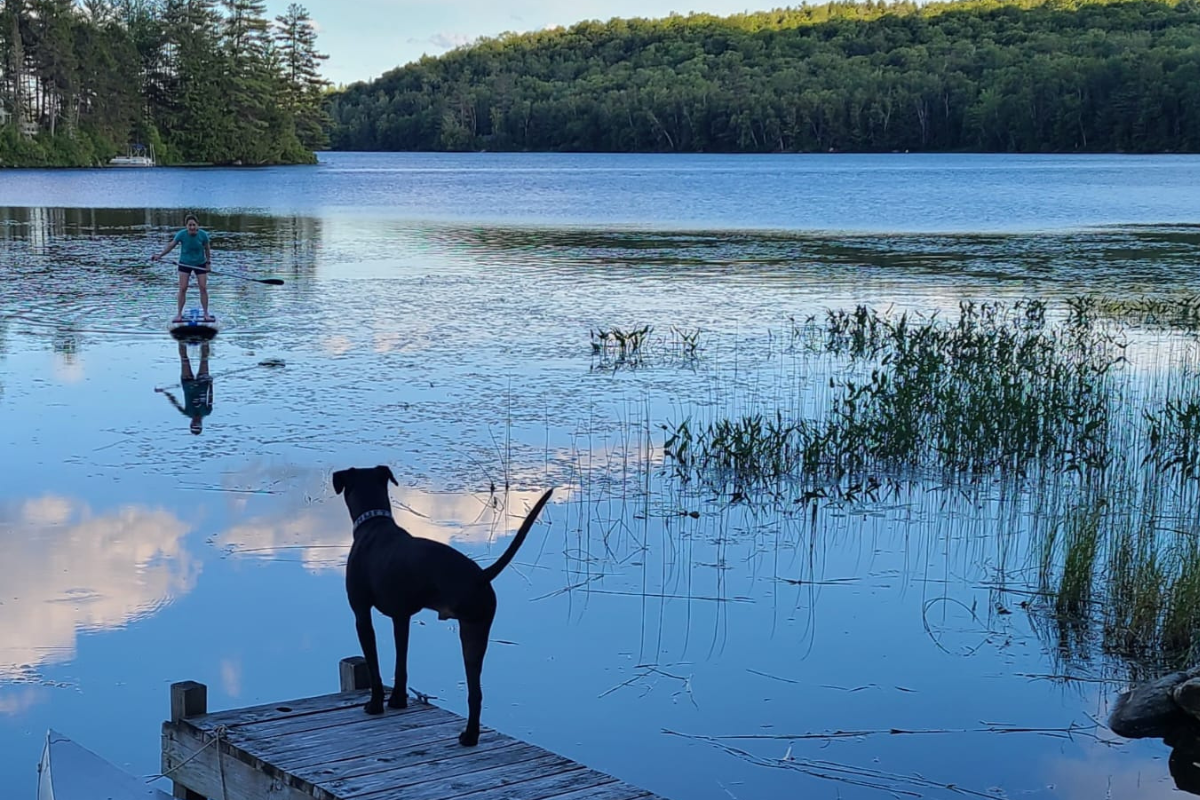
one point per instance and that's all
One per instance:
(326, 748)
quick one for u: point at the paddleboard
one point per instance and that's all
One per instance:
(193, 327)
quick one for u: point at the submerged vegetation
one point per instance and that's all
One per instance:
(1044, 412)
(979, 75)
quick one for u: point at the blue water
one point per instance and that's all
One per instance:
(436, 317)
(872, 193)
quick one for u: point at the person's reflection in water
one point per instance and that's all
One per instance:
(197, 389)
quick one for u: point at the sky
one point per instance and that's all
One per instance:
(365, 38)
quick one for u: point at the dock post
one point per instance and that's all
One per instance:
(353, 674)
(188, 699)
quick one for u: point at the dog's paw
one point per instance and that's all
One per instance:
(398, 701)
(468, 738)
(374, 707)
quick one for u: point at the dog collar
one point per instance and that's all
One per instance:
(379, 512)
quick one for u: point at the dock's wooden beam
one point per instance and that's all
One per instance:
(188, 699)
(202, 766)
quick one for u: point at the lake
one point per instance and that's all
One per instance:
(898, 618)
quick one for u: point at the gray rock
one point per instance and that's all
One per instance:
(1150, 710)
(1187, 696)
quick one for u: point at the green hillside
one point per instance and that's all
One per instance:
(978, 75)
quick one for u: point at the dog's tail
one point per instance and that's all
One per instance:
(494, 570)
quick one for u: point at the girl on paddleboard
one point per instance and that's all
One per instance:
(195, 256)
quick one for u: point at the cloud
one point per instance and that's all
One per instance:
(447, 40)
(16, 704)
(67, 570)
(231, 677)
(337, 345)
(1104, 771)
(319, 536)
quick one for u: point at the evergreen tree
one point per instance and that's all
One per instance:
(52, 61)
(199, 80)
(196, 115)
(297, 41)
(13, 17)
(248, 84)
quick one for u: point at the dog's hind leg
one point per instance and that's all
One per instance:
(474, 636)
(399, 698)
(366, 640)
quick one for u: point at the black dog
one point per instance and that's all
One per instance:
(400, 574)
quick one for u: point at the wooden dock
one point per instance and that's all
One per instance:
(327, 748)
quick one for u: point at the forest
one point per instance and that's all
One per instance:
(972, 75)
(196, 81)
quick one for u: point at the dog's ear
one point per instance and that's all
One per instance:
(387, 472)
(339, 481)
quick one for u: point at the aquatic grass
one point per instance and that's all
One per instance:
(1122, 569)
(1180, 313)
(1174, 437)
(994, 392)
(1090, 459)
(1081, 541)
(1181, 617)
(616, 347)
(1063, 430)
(688, 341)
(627, 343)
(1136, 575)
(858, 334)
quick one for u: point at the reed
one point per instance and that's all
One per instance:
(1099, 454)
(614, 348)
(996, 392)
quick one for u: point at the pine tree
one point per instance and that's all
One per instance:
(53, 61)
(13, 14)
(199, 80)
(197, 116)
(297, 40)
(251, 84)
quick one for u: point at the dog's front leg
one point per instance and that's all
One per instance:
(366, 640)
(399, 698)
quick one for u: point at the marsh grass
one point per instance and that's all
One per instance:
(1101, 453)
(1180, 313)
(997, 392)
(1081, 543)
(614, 348)
(1173, 434)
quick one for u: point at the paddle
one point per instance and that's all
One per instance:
(267, 281)
(266, 362)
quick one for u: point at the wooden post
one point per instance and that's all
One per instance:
(353, 673)
(188, 699)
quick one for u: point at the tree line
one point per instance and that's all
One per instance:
(971, 75)
(199, 81)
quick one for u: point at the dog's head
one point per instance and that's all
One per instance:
(364, 487)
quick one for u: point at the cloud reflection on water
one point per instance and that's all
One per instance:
(69, 569)
(1105, 771)
(15, 703)
(319, 535)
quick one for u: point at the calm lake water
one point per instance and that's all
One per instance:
(437, 316)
